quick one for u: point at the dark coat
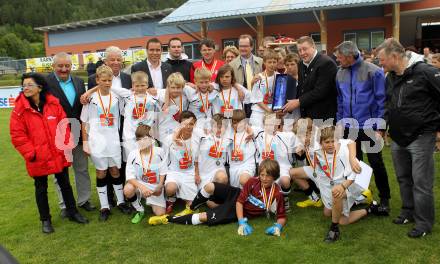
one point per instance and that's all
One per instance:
(143, 66)
(182, 66)
(413, 103)
(55, 89)
(125, 81)
(317, 88)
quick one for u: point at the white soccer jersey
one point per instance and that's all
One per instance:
(227, 100)
(200, 104)
(241, 152)
(179, 158)
(262, 92)
(169, 121)
(210, 153)
(279, 147)
(103, 124)
(324, 163)
(145, 171)
(138, 110)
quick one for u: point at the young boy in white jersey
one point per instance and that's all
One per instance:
(242, 152)
(201, 99)
(100, 133)
(307, 134)
(330, 169)
(274, 144)
(145, 172)
(174, 102)
(210, 152)
(262, 91)
(181, 180)
(230, 94)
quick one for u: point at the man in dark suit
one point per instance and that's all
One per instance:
(316, 83)
(113, 59)
(68, 89)
(157, 72)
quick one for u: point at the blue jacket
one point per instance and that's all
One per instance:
(361, 92)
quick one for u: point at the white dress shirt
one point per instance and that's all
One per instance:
(156, 75)
(116, 81)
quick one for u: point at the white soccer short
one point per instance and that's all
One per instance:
(236, 170)
(326, 191)
(186, 186)
(103, 163)
(153, 200)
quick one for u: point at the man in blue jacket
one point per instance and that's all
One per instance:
(361, 99)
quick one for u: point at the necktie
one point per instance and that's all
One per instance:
(249, 75)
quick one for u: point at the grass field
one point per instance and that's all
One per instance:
(372, 240)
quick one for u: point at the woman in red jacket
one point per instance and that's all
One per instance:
(35, 133)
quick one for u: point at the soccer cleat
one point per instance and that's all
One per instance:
(375, 209)
(308, 203)
(124, 208)
(104, 214)
(401, 220)
(332, 236)
(137, 218)
(368, 196)
(414, 233)
(158, 220)
(185, 211)
(169, 207)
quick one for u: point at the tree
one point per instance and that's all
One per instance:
(14, 46)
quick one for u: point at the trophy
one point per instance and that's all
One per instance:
(279, 92)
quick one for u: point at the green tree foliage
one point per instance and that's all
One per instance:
(18, 18)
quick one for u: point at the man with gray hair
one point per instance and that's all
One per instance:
(361, 96)
(68, 89)
(113, 58)
(413, 116)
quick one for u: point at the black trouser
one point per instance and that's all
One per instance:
(41, 194)
(375, 159)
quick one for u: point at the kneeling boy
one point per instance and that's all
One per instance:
(259, 196)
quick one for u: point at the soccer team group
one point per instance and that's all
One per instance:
(194, 143)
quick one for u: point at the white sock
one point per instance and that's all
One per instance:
(314, 197)
(103, 199)
(195, 220)
(137, 204)
(171, 199)
(204, 193)
(119, 193)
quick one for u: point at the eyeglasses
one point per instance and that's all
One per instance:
(30, 86)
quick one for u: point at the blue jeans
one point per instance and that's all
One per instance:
(414, 166)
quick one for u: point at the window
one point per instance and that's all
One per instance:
(316, 37)
(365, 39)
(377, 37)
(164, 48)
(136, 47)
(230, 42)
(192, 50)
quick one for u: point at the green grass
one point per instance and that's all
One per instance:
(372, 240)
(15, 79)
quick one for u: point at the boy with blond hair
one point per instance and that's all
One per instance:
(100, 134)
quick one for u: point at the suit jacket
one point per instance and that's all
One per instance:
(239, 69)
(143, 66)
(317, 88)
(55, 89)
(125, 81)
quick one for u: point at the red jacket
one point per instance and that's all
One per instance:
(33, 135)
